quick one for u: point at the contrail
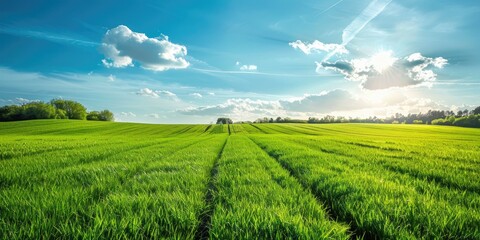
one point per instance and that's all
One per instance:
(46, 36)
(324, 11)
(373, 10)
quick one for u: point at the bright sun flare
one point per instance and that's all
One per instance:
(383, 60)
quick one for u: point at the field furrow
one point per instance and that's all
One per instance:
(256, 198)
(364, 194)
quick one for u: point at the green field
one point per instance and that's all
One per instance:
(87, 180)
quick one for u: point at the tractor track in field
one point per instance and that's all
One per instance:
(259, 129)
(205, 217)
(147, 171)
(40, 152)
(84, 161)
(440, 181)
(102, 196)
(92, 159)
(183, 130)
(355, 232)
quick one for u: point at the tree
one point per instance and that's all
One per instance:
(476, 110)
(60, 114)
(417, 122)
(11, 113)
(38, 110)
(224, 121)
(56, 109)
(93, 115)
(106, 115)
(73, 110)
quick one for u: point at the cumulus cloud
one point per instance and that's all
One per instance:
(122, 47)
(382, 70)
(20, 100)
(128, 114)
(196, 95)
(317, 47)
(323, 103)
(239, 108)
(147, 92)
(336, 102)
(248, 68)
(17, 101)
(326, 102)
(166, 94)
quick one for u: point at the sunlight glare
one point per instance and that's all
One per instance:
(383, 60)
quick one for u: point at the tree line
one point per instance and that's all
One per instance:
(55, 109)
(461, 118)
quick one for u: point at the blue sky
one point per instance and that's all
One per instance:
(193, 61)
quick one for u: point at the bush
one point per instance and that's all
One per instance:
(467, 121)
(104, 115)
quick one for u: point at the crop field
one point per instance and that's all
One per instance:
(88, 180)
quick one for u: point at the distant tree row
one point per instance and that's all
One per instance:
(55, 109)
(463, 118)
(279, 120)
(467, 121)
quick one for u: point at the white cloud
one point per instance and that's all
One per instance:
(326, 102)
(317, 46)
(238, 109)
(24, 100)
(338, 102)
(166, 94)
(196, 95)
(147, 92)
(248, 109)
(211, 93)
(18, 101)
(111, 78)
(382, 70)
(153, 115)
(128, 114)
(122, 47)
(419, 65)
(248, 68)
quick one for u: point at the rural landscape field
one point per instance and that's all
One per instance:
(332, 119)
(86, 180)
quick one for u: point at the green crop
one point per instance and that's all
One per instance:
(87, 180)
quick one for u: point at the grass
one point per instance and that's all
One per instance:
(78, 179)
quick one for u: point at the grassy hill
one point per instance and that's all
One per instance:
(79, 179)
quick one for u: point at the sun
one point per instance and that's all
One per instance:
(383, 60)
